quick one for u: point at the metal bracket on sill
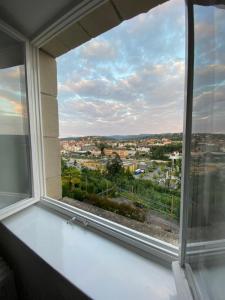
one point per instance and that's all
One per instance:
(80, 220)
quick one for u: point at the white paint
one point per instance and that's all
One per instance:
(98, 266)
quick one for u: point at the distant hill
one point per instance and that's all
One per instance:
(144, 136)
(173, 136)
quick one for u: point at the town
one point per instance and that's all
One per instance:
(137, 177)
(154, 158)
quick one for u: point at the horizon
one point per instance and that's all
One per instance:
(113, 135)
(143, 134)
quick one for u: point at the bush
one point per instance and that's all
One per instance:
(78, 194)
(65, 189)
(123, 209)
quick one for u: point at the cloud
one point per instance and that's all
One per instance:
(209, 111)
(12, 78)
(98, 49)
(13, 109)
(209, 33)
(208, 75)
(128, 80)
(146, 83)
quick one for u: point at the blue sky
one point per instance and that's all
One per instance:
(129, 80)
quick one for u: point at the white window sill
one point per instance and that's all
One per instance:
(99, 267)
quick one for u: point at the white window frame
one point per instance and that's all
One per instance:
(141, 242)
(32, 102)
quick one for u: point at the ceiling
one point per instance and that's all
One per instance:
(30, 17)
(11, 51)
(33, 17)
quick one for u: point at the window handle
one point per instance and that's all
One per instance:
(81, 220)
(70, 221)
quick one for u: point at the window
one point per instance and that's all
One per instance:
(207, 188)
(15, 170)
(207, 206)
(120, 116)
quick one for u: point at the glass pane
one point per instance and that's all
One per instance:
(207, 190)
(15, 169)
(121, 116)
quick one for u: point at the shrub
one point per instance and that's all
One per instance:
(78, 194)
(65, 189)
(123, 209)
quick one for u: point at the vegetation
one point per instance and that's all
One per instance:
(161, 152)
(118, 191)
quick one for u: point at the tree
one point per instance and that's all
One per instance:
(102, 146)
(114, 166)
(63, 166)
(71, 176)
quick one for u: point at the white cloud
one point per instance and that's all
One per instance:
(98, 49)
(128, 80)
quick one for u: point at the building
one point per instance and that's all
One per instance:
(92, 165)
(130, 165)
(96, 152)
(123, 153)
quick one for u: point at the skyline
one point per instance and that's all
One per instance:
(116, 83)
(124, 135)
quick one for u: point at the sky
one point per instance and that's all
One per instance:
(209, 72)
(129, 80)
(13, 108)
(13, 104)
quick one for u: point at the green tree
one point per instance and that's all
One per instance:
(63, 165)
(114, 166)
(71, 176)
(102, 146)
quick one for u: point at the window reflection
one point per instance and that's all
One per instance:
(15, 177)
(208, 128)
(207, 180)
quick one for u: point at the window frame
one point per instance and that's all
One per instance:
(187, 129)
(203, 251)
(33, 125)
(137, 241)
(141, 242)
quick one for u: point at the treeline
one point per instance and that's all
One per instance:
(161, 152)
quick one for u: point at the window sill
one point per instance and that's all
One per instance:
(98, 266)
(140, 242)
(17, 206)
